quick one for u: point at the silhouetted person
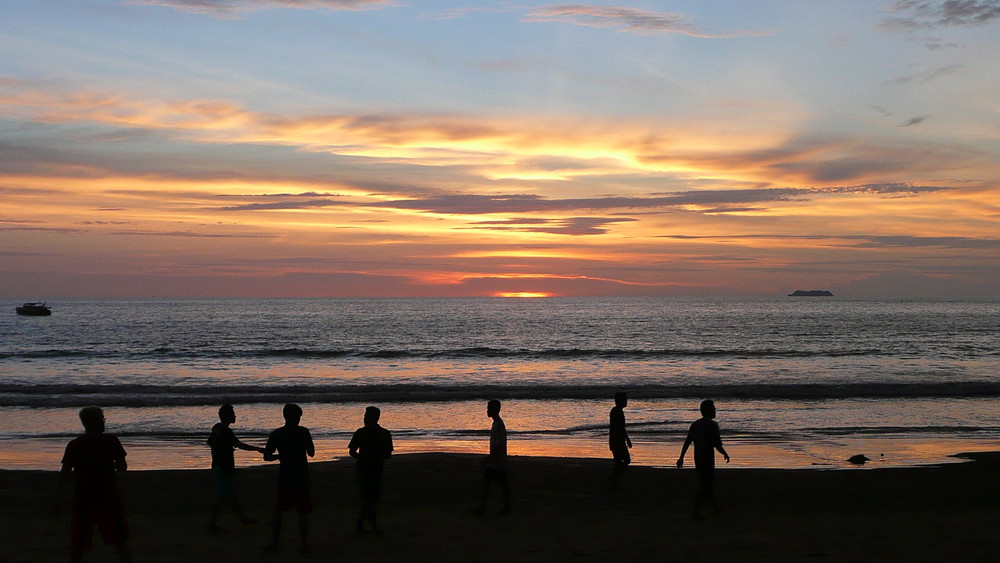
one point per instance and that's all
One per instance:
(618, 438)
(371, 445)
(496, 462)
(93, 458)
(224, 442)
(293, 444)
(705, 434)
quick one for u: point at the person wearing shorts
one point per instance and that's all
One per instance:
(292, 446)
(371, 445)
(93, 459)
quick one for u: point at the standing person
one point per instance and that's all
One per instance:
(93, 458)
(293, 443)
(705, 434)
(496, 462)
(371, 445)
(224, 442)
(618, 438)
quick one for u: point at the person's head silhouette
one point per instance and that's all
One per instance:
(292, 414)
(92, 419)
(227, 413)
(708, 408)
(621, 399)
(493, 408)
(372, 414)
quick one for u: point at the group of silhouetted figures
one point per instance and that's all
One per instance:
(94, 457)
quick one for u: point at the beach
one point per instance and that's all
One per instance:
(563, 510)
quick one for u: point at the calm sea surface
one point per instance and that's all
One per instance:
(799, 382)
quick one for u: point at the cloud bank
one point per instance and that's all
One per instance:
(230, 8)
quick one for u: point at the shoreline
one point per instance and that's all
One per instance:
(804, 455)
(563, 510)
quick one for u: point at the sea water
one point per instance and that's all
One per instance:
(798, 382)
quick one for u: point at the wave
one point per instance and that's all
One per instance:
(137, 395)
(163, 353)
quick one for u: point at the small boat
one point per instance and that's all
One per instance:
(34, 310)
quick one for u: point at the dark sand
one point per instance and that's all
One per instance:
(563, 510)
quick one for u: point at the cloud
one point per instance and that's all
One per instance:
(700, 201)
(915, 120)
(924, 14)
(277, 205)
(230, 8)
(929, 75)
(465, 148)
(916, 16)
(625, 19)
(575, 226)
(862, 241)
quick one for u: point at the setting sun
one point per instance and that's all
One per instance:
(526, 294)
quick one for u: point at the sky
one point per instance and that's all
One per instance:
(336, 148)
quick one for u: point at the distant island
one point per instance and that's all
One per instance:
(810, 293)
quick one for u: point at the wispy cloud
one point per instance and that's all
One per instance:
(929, 75)
(494, 148)
(915, 120)
(625, 19)
(924, 14)
(916, 17)
(574, 226)
(863, 241)
(230, 8)
(704, 201)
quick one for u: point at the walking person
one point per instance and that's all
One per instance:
(618, 439)
(495, 463)
(705, 435)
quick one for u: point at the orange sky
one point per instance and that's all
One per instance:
(173, 148)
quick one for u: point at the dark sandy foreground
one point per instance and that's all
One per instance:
(563, 510)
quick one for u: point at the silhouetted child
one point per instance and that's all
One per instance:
(293, 444)
(371, 445)
(224, 442)
(93, 458)
(618, 438)
(705, 434)
(496, 462)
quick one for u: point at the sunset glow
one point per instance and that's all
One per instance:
(177, 148)
(524, 294)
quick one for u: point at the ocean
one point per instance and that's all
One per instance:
(798, 382)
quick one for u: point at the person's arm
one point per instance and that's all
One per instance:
(120, 463)
(388, 443)
(310, 449)
(269, 449)
(684, 449)
(352, 446)
(248, 447)
(718, 444)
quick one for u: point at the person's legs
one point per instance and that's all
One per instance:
(706, 490)
(485, 495)
(275, 529)
(214, 517)
(123, 552)
(303, 529)
(622, 459)
(505, 489)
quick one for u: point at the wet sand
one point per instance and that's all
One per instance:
(563, 510)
